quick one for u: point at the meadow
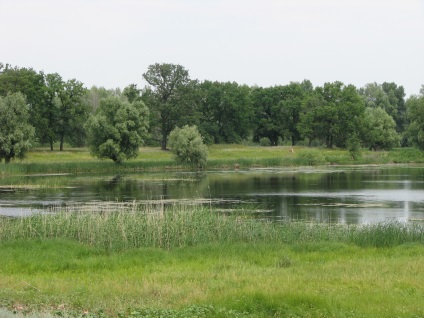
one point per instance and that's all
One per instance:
(188, 260)
(221, 157)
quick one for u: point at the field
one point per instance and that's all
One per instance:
(221, 157)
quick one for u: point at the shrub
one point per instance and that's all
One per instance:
(265, 142)
(311, 158)
(187, 145)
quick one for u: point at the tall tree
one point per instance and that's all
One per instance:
(132, 93)
(389, 97)
(415, 111)
(396, 96)
(170, 100)
(72, 112)
(93, 96)
(32, 85)
(226, 111)
(268, 115)
(379, 129)
(291, 107)
(336, 114)
(16, 133)
(278, 111)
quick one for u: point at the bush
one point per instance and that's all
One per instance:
(311, 158)
(265, 142)
(187, 145)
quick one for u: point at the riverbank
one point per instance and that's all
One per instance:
(191, 261)
(221, 157)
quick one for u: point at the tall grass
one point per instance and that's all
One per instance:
(121, 227)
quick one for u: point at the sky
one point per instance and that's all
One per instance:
(111, 43)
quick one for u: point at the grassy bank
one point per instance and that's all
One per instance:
(220, 157)
(188, 261)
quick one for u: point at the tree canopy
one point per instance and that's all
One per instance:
(117, 129)
(334, 114)
(171, 98)
(16, 134)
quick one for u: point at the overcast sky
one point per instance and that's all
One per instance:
(111, 43)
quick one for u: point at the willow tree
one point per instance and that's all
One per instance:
(116, 130)
(16, 133)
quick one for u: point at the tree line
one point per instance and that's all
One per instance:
(45, 109)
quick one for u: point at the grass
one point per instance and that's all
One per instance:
(44, 161)
(189, 261)
(126, 226)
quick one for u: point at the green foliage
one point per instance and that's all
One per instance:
(310, 157)
(332, 114)
(379, 130)
(32, 85)
(415, 130)
(132, 93)
(16, 134)
(117, 129)
(354, 147)
(172, 98)
(265, 142)
(187, 145)
(277, 111)
(389, 97)
(225, 111)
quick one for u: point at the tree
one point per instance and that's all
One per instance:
(225, 111)
(291, 107)
(72, 113)
(132, 93)
(268, 115)
(335, 114)
(117, 129)
(16, 133)
(415, 112)
(93, 96)
(32, 85)
(390, 98)
(171, 99)
(396, 95)
(187, 145)
(379, 130)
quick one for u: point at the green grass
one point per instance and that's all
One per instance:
(189, 261)
(79, 160)
(319, 279)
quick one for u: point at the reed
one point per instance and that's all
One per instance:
(123, 226)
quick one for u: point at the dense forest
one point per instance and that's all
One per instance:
(45, 109)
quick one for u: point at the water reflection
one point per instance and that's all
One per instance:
(356, 195)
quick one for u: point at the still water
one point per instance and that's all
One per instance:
(353, 195)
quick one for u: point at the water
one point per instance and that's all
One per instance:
(354, 195)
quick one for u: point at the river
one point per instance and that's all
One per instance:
(348, 195)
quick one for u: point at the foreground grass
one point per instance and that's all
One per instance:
(213, 280)
(44, 161)
(189, 261)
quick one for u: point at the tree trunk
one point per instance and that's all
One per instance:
(163, 143)
(51, 145)
(61, 144)
(7, 159)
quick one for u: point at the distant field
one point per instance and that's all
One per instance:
(74, 160)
